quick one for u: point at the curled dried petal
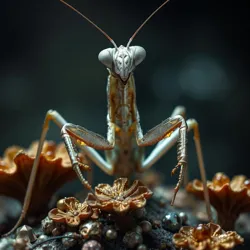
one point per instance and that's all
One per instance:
(57, 215)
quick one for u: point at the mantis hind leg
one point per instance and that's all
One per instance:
(166, 144)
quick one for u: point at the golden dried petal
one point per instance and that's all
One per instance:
(104, 191)
(141, 190)
(139, 202)
(84, 211)
(72, 203)
(92, 201)
(237, 183)
(186, 231)
(57, 215)
(133, 188)
(180, 240)
(73, 221)
(120, 185)
(220, 179)
(202, 245)
(121, 207)
(229, 240)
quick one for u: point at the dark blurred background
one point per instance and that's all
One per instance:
(197, 56)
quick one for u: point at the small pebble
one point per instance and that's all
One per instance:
(140, 213)
(48, 225)
(92, 245)
(42, 237)
(141, 247)
(156, 223)
(146, 226)
(46, 246)
(132, 239)
(69, 242)
(111, 234)
(138, 229)
(21, 244)
(183, 216)
(171, 222)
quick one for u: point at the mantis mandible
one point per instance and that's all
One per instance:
(125, 140)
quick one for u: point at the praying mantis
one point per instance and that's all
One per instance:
(125, 142)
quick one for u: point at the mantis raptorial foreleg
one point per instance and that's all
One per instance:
(166, 144)
(164, 130)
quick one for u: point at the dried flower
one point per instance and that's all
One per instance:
(229, 198)
(119, 198)
(206, 237)
(54, 170)
(70, 211)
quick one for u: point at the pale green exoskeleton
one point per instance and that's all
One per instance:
(124, 154)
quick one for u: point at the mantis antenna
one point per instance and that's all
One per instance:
(86, 18)
(104, 33)
(133, 36)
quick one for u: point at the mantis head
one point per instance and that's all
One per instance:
(122, 60)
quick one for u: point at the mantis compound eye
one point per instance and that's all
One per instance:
(139, 54)
(106, 57)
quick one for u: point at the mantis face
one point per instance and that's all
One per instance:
(122, 60)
